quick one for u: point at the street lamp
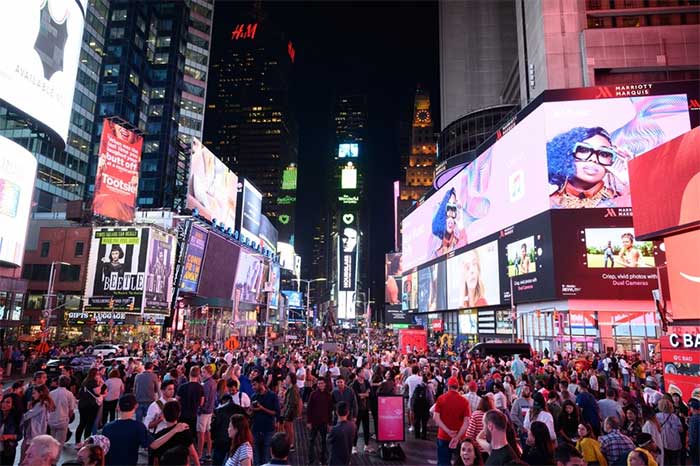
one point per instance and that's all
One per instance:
(308, 300)
(47, 302)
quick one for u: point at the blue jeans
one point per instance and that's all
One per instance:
(261, 447)
(444, 453)
(141, 411)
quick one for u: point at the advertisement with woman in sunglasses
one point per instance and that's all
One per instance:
(591, 145)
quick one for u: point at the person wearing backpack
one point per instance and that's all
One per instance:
(362, 389)
(420, 403)
(221, 441)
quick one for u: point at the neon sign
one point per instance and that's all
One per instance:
(286, 200)
(244, 31)
(290, 50)
(345, 199)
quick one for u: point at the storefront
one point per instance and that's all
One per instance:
(494, 325)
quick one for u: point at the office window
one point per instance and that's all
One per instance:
(79, 247)
(69, 273)
(119, 15)
(45, 246)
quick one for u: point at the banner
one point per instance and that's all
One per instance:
(680, 355)
(196, 246)
(17, 176)
(116, 274)
(117, 177)
(347, 252)
(390, 419)
(392, 278)
(159, 278)
(412, 338)
(251, 211)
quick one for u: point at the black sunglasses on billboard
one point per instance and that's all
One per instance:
(604, 156)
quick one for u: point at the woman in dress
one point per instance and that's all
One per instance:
(241, 453)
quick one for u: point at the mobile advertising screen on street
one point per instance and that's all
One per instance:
(117, 177)
(17, 176)
(390, 419)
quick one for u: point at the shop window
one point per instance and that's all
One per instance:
(45, 246)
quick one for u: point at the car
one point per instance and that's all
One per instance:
(106, 351)
(502, 349)
(121, 360)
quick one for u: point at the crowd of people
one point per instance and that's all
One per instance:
(202, 404)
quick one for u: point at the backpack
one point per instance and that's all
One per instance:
(420, 396)
(440, 386)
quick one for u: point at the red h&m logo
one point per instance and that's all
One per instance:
(244, 31)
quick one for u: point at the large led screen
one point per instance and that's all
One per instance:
(590, 143)
(474, 278)
(159, 274)
(219, 269)
(504, 185)
(194, 257)
(273, 280)
(251, 211)
(347, 252)
(117, 178)
(409, 295)
(211, 187)
(348, 150)
(39, 57)
(17, 175)
(392, 278)
(346, 305)
(598, 257)
(295, 299)
(432, 288)
(249, 277)
(268, 234)
(116, 274)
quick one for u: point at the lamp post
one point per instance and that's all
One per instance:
(308, 300)
(48, 310)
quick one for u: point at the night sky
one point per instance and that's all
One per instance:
(383, 50)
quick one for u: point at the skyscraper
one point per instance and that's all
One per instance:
(249, 124)
(576, 44)
(153, 78)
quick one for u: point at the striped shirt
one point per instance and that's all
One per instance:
(243, 451)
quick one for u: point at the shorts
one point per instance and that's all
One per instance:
(203, 422)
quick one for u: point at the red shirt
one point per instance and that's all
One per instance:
(453, 408)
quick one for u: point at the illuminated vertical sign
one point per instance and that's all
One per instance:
(347, 253)
(289, 178)
(290, 50)
(348, 177)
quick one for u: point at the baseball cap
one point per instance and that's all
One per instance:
(453, 382)
(473, 386)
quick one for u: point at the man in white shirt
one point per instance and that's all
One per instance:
(412, 381)
(238, 397)
(301, 375)
(472, 397)
(228, 357)
(625, 370)
(593, 383)
(154, 420)
(59, 418)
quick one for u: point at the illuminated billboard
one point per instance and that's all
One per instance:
(286, 253)
(211, 187)
(348, 177)
(39, 58)
(117, 177)
(506, 184)
(432, 288)
(251, 211)
(194, 257)
(273, 281)
(17, 176)
(268, 234)
(346, 305)
(117, 266)
(289, 178)
(347, 252)
(249, 277)
(295, 299)
(159, 273)
(474, 278)
(392, 278)
(348, 150)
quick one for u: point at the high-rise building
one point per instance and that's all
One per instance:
(153, 78)
(249, 123)
(599, 42)
(478, 54)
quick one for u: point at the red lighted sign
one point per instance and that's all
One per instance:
(244, 31)
(436, 325)
(412, 338)
(290, 50)
(681, 358)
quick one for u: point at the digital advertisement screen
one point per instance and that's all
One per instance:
(666, 186)
(17, 176)
(219, 269)
(681, 361)
(196, 245)
(346, 305)
(268, 234)
(249, 277)
(527, 260)
(590, 143)
(473, 278)
(348, 150)
(295, 299)
(390, 419)
(211, 187)
(39, 58)
(274, 281)
(468, 322)
(682, 253)
(286, 253)
(587, 268)
(348, 178)
(616, 248)
(289, 178)
(116, 274)
(347, 252)
(395, 315)
(506, 184)
(117, 177)
(159, 275)
(409, 296)
(392, 278)
(251, 211)
(432, 288)
(410, 339)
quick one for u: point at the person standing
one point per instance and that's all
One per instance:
(221, 442)
(266, 409)
(670, 432)
(154, 420)
(412, 381)
(609, 405)
(521, 407)
(146, 390)
(126, 434)
(43, 451)
(614, 444)
(10, 417)
(241, 439)
(35, 421)
(341, 437)
(206, 410)
(694, 431)
(342, 393)
(191, 397)
(589, 407)
(279, 449)
(179, 449)
(318, 418)
(65, 405)
(452, 412)
(115, 389)
(495, 431)
(420, 403)
(360, 386)
(291, 407)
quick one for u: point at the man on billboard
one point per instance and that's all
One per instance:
(446, 229)
(349, 239)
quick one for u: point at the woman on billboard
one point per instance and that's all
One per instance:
(446, 226)
(474, 289)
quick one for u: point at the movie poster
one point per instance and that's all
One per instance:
(159, 278)
(117, 269)
(194, 257)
